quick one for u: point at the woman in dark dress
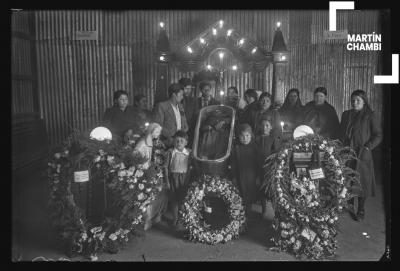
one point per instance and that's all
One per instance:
(291, 110)
(121, 117)
(321, 116)
(360, 129)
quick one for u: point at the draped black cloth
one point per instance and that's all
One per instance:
(323, 119)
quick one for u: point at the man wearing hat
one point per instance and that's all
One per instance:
(170, 114)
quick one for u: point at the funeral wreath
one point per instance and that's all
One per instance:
(307, 209)
(193, 221)
(132, 186)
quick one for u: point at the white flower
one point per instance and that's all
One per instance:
(297, 245)
(84, 236)
(141, 186)
(97, 159)
(339, 171)
(330, 150)
(140, 196)
(284, 234)
(131, 186)
(113, 236)
(331, 221)
(110, 158)
(336, 162)
(324, 142)
(139, 173)
(148, 189)
(96, 229)
(121, 165)
(292, 239)
(343, 193)
(93, 258)
(57, 155)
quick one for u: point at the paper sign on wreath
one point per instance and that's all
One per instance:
(81, 176)
(316, 173)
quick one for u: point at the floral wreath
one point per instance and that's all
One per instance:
(134, 186)
(193, 221)
(305, 220)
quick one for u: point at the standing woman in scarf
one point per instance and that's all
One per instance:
(321, 116)
(292, 110)
(360, 129)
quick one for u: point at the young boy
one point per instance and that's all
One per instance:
(178, 167)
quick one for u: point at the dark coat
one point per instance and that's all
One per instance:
(119, 121)
(323, 119)
(248, 114)
(362, 135)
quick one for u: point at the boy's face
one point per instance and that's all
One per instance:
(266, 127)
(245, 137)
(206, 91)
(180, 143)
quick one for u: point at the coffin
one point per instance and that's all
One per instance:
(217, 166)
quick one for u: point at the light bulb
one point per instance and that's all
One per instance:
(241, 41)
(101, 133)
(202, 40)
(221, 55)
(234, 67)
(161, 24)
(214, 31)
(229, 32)
(254, 50)
(162, 58)
(278, 24)
(221, 93)
(283, 57)
(209, 67)
(146, 124)
(190, 50)
(221, 23)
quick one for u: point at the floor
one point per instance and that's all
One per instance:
(33, 237)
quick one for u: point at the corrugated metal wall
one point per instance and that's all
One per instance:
(77, 78)
(23, 80)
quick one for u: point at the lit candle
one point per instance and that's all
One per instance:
(146, 124)
(282, 124)
(221, 93)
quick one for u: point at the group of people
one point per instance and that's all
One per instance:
(259, 133)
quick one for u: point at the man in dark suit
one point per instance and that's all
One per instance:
(206, 99)
(189, 105)
(170, 114)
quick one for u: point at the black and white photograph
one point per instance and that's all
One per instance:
(191, 135)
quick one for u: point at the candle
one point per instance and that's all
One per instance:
(282, 124)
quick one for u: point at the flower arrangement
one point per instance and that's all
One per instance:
(192, 218)
(306, 215)
(134, 187)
